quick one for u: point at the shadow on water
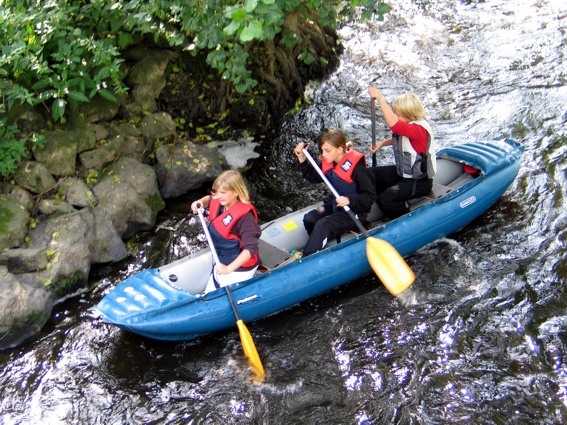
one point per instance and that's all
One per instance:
(480, 338)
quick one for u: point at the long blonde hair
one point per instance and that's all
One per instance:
(409, 107)
(232, 180)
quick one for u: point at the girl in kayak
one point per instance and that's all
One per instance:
(234, 230)
(346, 170)
(414, 153)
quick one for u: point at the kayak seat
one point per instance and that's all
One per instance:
(447, 171)
(271, 256)
(437, 191)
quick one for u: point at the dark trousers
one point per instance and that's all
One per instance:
(393, 191)
(322, 224)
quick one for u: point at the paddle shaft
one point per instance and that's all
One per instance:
(248, 345)
(386, 262)
(216, 258)
(334, 191)
(373, 120)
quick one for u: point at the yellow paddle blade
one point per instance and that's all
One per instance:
(250, 351)
(389, 265)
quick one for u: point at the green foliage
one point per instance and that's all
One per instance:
(12, 148)
(62, 52)
(67, 51)
(54, 51)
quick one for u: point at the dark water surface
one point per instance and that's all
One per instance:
(480, 338)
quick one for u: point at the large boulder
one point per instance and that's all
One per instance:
(129, 193)
(63, 239)
(77, 193)
(136, 145)
(59, 152)
(106, 152)
(24, 260)
(13, 222)
(182, 167)
(35, 177)
(158, 126)
(104, 241)
(24, 309)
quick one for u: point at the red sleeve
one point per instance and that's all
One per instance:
(249, 231)
(415, 133)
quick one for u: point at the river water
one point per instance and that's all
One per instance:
(480, 338)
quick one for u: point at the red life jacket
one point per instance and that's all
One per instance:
(228, 245)
(340, 175)
(345, 166)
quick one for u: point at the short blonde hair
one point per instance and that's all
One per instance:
(409, 107)
(232, 180)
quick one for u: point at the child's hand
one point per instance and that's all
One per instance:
(375, 93)
(342, 201)
(378, 146)
(299, 151)
(222, 269)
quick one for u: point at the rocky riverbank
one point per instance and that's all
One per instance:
(99, 179)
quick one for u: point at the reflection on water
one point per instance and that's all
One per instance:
(479, 338)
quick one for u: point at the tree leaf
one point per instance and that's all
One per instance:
(75, 95)
(107, 95)
(251, 31)
(238, 14)
(250, 5)
(232, 27)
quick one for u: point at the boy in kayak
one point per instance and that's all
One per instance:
(234, 230)
(346, 170)
(414, 153)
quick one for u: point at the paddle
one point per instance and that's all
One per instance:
(386, 262)
(373, 120)
(247, 342)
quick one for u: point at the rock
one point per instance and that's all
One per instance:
(13, 222)
(158, 126)
(84, 134)
(59, 154)
(136, 145)
(100, 131)
(54, 206)
(34, 177)
(24, 260)
(30, 121)
(77, 193)
(99, 109)
(104, 242)
(106, 153)
(130, 194)
(186, 166)
(64, 240)
(125, 129)
(23, 197)
(24, 309)
(147, 79)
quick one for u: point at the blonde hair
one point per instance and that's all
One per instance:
(232, 180)
(336, 138)
(409, 107)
